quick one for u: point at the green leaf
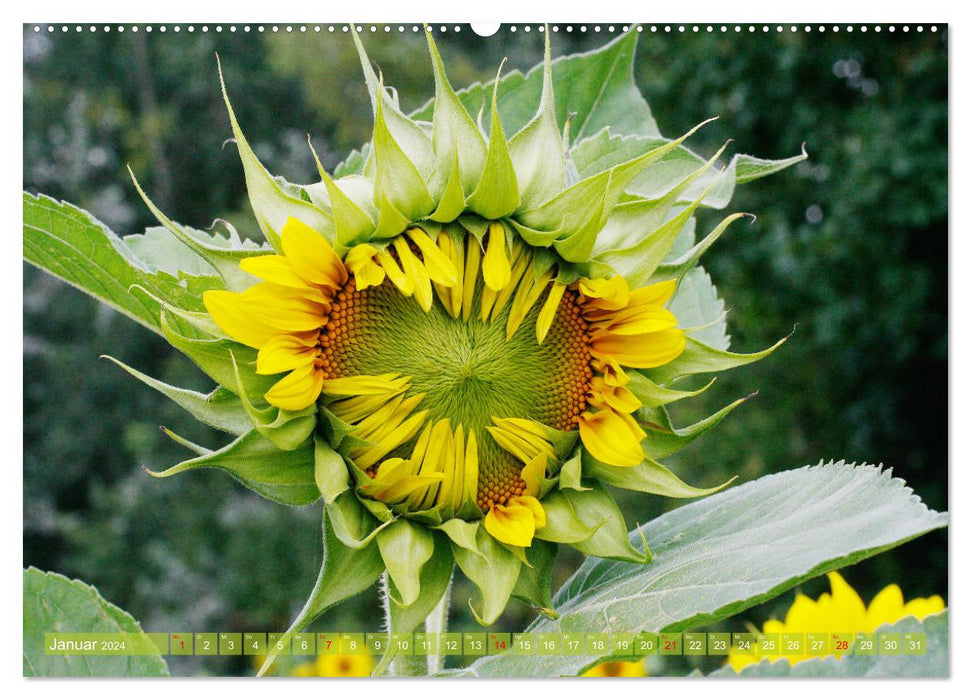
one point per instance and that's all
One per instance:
(697, 306)
(223, 259)
(283, 476)
(71, 244)
(494, 571)
(54, 603)
(933, 664)
(597, 87)
(723, 554)
(344, 572)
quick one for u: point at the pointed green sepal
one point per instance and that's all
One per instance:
(652, 395)
(224, 260)
(497, 194)
(408, 136)
(609, 540)
(452, 203)
(344, 572)
(679, 267)
(581, 211)
(215, 357)
(648, 477)
(354, 525)
(285, 429)
(494, 572)
(664, 439)
(330, 471)
(638, 262)
(535, 580)
(537, 150)
(271, 205)
(220, 408)
(433, 581)
(405, 547)
(351, 223)
(285, 477)
(699, 358)
(563, 525)
(631, 222)
(462, 533)
(457, 141)
(570, 472)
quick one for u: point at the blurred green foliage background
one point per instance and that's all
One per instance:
(851, 245)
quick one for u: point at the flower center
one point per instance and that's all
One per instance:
(469, 370)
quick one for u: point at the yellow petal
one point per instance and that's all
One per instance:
(495, 265)
(228, 310)
(473, 256)
(636, 320)
(533, 504)
(532, 472)
(288, 309)
(311, 255)
(395, 274)
(360, 261)
(415, 272)
(297, 390)
(619, 398)
(640, 351)
(603, 293)
(887, 606)
(364, 384)
(609, 439)
(471, 471)
(286, 352)
(439, 267)
(922, 607)
(513, 524)
(656, 294)
(548, 313)
(273, 268)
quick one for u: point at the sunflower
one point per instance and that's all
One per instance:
(840, 611)
(457, 343)
(459, 364)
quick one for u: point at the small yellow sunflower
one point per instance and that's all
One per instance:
(841, 611)
(617, 669)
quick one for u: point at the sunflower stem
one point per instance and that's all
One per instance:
(437, 623)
